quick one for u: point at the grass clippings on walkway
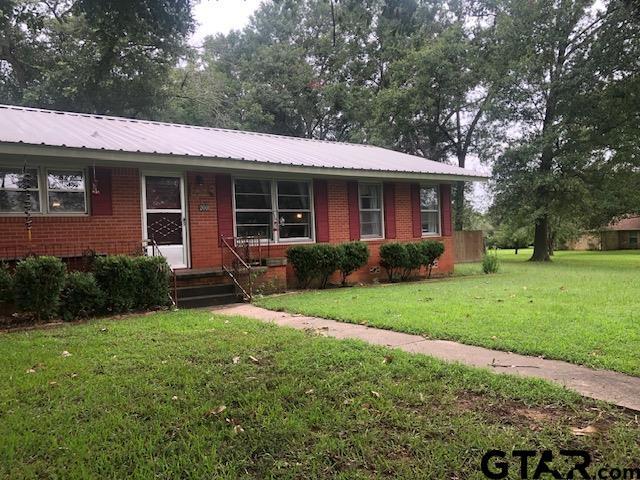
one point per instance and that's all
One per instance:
(191, 394)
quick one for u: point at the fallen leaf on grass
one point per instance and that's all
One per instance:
(236, 360)
(254, 359)
(348, 401)
(52, 383)
(375, 394)
(387, 359)
(584, 432)
(309, 392)
(238, 429)
(31, 370)
(66, 354)
(174, 398)
(218, 410)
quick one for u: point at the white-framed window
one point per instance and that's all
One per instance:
(19, 190)
(57, 191)
(278, 210)
(430, 209)
(370, 210)
(66, 191)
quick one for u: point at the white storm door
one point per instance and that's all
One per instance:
(164, 219)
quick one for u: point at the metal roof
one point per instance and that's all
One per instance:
(31, 126)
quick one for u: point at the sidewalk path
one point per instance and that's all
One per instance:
(612, 387)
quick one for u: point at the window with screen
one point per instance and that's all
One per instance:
(19, 190)
(430, 210)
(370, 210)
(66, 191)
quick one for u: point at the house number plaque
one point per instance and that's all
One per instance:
(203, 207)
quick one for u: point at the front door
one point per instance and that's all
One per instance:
(164, 219)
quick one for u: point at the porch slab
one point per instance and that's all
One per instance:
(613, 387)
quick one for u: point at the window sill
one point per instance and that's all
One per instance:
(371, 239)
(431, 235)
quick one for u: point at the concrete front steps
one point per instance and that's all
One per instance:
(205, 288)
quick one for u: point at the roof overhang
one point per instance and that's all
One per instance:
(220, 164)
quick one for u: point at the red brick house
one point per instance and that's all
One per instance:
(116, 185)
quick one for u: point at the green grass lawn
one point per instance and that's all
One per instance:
(142, 398)
(584, 307)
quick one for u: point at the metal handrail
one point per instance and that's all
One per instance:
(156, 248)
(248, 295)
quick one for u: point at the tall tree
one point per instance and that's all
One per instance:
(105, 56)
(559, 163)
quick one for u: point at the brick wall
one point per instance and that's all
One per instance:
(122, 231)
(66, 236)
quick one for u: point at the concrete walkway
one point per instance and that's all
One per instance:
(612, 387)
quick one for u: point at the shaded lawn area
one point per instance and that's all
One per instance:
(141, 398)
(584, 307)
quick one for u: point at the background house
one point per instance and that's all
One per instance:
(203, 196)
(621, 235)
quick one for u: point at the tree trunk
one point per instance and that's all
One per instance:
(459, 206)
(541, 240)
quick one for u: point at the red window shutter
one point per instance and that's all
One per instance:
(416, 215)
(321, 207)
(445, 209)
(101, 203)
(389, 194)
(353, 203)
(224, 206)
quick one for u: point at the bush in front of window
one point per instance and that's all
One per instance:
(326, 258)
(393, 258)
(351, 257)
(81, 296)
(6, 285)
(412, 260)
(37, 284)
(119, 279)
(311, 262)
(429, 252)
(154, 275)
(303, 263)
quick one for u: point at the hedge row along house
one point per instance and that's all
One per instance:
(214, 202)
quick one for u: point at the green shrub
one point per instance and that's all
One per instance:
(154, 276)
(326, 258)
(430, 251)
(6, 285)
(351, 256)
(490, 263)
(313, 261)
(412, 260)
(118, 278)
(303, 263)
(81, 296)
(393, 258)
(37, 284)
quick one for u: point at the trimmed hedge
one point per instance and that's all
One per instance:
(154, 277)
(133, 282)
(430, 252)
(37, 284)
(351, 256)
(119, 280)
(319, 262)
(393, 258)
(401, 259)
(81, 296)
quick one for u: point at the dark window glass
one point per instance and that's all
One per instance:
(163, 193)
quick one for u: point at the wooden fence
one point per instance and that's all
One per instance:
(469, 246)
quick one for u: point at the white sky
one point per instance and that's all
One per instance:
(221, 16)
